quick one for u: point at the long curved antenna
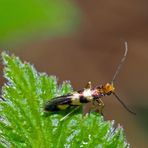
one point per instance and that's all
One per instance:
(123, 104)
(121, 62)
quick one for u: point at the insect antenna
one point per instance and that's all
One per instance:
(121, 63)
(116, 74)
(123, 104)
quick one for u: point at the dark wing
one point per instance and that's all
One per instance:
(52, 105)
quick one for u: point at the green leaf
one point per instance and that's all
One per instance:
(23, 122)
(29, 19)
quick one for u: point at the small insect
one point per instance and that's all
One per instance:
(88, 94)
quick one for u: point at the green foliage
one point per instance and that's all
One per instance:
(23, 122)
(35, 18)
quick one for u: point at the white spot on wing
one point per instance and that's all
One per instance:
(87, 93)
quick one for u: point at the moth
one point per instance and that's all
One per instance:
(88, 94)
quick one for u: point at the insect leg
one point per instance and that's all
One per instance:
(87, 108)
(99, 106)
(69, 113)
(96, 105)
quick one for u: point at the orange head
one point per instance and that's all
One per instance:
(108, 88)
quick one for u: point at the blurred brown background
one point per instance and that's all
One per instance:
(91, 51)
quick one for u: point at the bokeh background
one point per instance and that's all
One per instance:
(83, 41)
